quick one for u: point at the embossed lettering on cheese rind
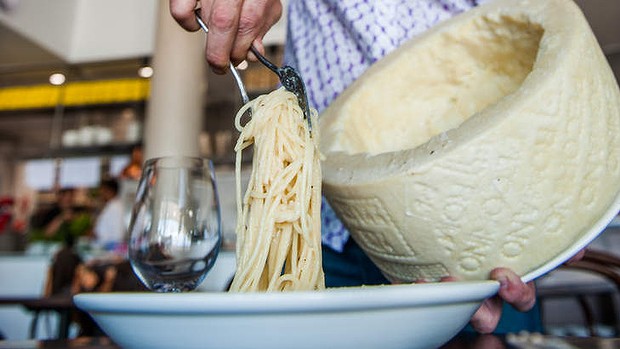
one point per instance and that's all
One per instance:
(375, 229)
(415, 272)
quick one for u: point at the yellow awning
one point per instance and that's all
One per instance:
(75, 94)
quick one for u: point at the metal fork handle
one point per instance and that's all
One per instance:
(288, 77)
(242, 91)
(233, 70)
(267, 63)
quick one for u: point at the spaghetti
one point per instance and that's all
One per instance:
(278, 220)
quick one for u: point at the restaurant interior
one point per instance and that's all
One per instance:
(85, 99)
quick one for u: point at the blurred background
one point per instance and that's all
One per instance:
(76, 78)
(89, 89)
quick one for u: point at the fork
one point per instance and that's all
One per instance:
(289, 77)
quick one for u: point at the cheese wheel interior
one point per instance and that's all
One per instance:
(438, 84)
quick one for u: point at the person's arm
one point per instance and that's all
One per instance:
(52, 227)
(233, 25)
(117, 222)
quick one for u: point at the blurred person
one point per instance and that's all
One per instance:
(61, 274)
(110, 224)
(108, 275)
(7, 236)
(6, 212)
(133, 170)
(64, 218)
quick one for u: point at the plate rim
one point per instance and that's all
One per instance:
(330, 300)
(593, 232)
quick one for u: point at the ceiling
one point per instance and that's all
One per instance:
(23, 62)
(19, 53)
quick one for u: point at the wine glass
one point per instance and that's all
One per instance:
(175, 224)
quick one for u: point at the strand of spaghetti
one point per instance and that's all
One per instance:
(289, 280)
(294, 252)
(303, 193)
(243, 213)
(279, 253)
(278, 233)
(259, 254)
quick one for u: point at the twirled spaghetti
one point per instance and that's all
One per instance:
(278, 220)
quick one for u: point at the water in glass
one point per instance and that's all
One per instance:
(175, 226)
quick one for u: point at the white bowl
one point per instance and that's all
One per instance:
(394, 316)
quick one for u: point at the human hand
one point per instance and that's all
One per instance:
(522, 296)
(108, 279)
(234, 25)
(85, 279)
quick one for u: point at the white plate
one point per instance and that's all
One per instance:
(395, 316)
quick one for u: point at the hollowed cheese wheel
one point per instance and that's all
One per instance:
(491, 140)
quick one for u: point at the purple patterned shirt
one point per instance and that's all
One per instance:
(332, 42)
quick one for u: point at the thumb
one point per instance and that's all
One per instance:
(513, 290)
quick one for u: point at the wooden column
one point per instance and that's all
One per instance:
(175, 108)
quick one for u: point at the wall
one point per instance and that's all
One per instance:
(604, 18)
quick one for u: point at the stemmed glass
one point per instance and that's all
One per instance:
(175, 224)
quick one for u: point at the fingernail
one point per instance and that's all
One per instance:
(503, 281)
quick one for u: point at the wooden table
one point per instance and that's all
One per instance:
(62, 305)
(463, 341)
(477, 341)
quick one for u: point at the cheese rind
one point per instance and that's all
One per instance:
(504, 152)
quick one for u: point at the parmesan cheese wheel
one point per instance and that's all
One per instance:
(491, 140)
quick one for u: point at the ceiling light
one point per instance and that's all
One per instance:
(57, 79)
(145, 72)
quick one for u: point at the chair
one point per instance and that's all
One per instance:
(57, 291)
(68, 275)
(603, 264)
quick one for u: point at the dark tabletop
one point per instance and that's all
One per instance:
(459, 342)
(40, 303)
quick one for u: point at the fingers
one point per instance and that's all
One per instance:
(577, 257)
(487, 317)
(448, 279)
(183, 12)
(255, 20)
(522, 296)
(223, 23)
(513, 290)
(258, 44)
(488, 342)
(234, 25)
